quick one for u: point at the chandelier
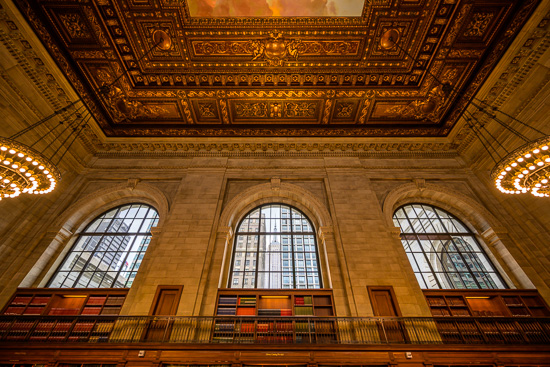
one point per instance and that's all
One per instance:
(525, 169)
(26, 170)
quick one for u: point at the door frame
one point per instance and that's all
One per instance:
(160, 288)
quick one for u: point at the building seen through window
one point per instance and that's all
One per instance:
(275, 248)
(443, 252)
(108, 253)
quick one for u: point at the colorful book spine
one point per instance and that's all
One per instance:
(226, 311)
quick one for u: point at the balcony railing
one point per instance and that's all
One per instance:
(275, 330)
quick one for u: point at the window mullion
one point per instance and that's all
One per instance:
(258, 247)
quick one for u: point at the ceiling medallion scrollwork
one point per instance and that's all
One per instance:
(276, 48)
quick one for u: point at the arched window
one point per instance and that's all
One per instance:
(108, 253)
(443, 252)
(275, 248)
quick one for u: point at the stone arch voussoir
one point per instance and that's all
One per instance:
(464, 207)
(283, 193)
(90, 206)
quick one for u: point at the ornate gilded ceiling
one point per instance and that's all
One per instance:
(172, 74)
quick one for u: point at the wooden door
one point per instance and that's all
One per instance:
(62, 305)
(165, 303)
(384, 305)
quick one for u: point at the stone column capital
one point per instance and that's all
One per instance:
(226, 231)
(62, 235)
(492, 236)
(156, 231)
(395, 232)
(324, 231)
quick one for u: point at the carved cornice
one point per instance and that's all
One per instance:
(274, 149)
(31, 61)
(508, 77)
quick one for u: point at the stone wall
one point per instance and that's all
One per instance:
(350, 201)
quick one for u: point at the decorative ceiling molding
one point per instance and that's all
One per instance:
(334, 149)
(17, 43)
(341, 76)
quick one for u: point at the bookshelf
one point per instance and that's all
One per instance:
(65, 302)
(486, 303)
(274, 315)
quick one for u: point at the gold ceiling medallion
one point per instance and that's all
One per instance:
(276, 49)
(162, 40)
(389, 39)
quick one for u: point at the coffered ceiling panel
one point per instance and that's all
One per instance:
(276, 68)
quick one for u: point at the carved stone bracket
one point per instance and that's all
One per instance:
(420, 184)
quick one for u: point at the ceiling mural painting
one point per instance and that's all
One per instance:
(275, 8)
(273, 68)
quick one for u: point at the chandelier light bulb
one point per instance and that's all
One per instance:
(528, 155)
(520, 159)
(514, 164)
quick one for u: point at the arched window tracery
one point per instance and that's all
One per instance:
(443, 252)
(275, 247)
(108, 253)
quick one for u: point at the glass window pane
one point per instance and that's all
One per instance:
(285, 244)
(422, 262)
(445, 259)
(104, 256)
(252, 243)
